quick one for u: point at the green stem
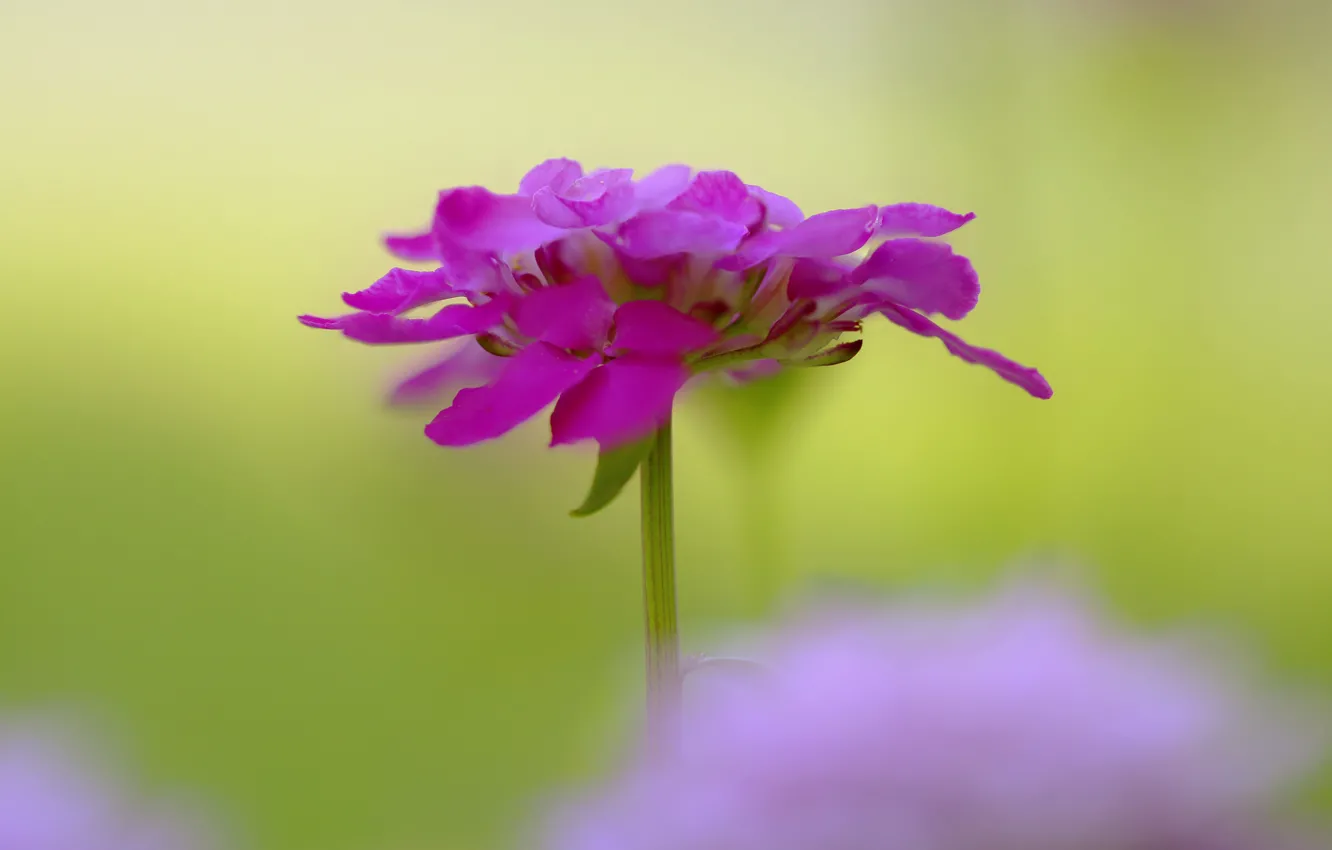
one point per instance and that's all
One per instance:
(662, 632)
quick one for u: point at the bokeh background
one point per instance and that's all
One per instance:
(217, 538)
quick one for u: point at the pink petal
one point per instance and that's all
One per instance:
(600, 177)
(531, 379)
(752, 251)
(594, 200)
(550, 261)
(656, 328)
(661, 232)
(918, 220)
(811, 278)
(468, 366)
(558, 174)
(479, 220)
(467, 270)
(401, 290)
(575, 315)
(827, 234)
(721, 194)
(471, 271)
(660, 187)
(452, 321)
(779, 211)
(323, 324)
(414, 248)
(618, 402)
(1027, 378)
(830, 234)
(651, 272)
(925, 276)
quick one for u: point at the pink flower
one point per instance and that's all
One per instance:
(1019, 724)
(605, 294)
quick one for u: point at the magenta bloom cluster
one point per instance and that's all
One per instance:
(1022, 723)
(53, 798)
(606, 294)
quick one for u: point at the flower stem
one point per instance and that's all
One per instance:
(662, 632)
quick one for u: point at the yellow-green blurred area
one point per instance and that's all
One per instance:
(216, 535)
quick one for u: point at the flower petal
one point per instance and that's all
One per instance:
(603, 176)
(925, 276)
(321, 323)
(414, 247)
(575, 315)
(1027, 378)
(467, 270)
(453, 320)
(468, 366)
(830, 234)
(825, 235)
(531, 379)
(589, 205)
(473, 271)
(813, 278)
(401, 290)
(752, 251)
(479, 220)
(558, 174)
(658, 233)
(649, 272)
(661, 187)
(618, 402)
(721, 194)
(779, 211)
(918, 220)
(655, 328)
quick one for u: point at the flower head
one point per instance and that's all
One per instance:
(1022, 724)
(53, 799)
(606, 294)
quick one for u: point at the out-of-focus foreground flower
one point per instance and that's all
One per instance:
(1019, 724)
(54, 798)
(608, 294)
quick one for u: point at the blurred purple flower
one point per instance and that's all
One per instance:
(1022, 724)
(52, 798)
(606, 294)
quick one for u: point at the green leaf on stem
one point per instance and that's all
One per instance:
(614, 469)
(832, 356)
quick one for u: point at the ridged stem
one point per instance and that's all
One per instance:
(660, 625)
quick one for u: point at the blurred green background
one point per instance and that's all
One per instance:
(215, 534)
